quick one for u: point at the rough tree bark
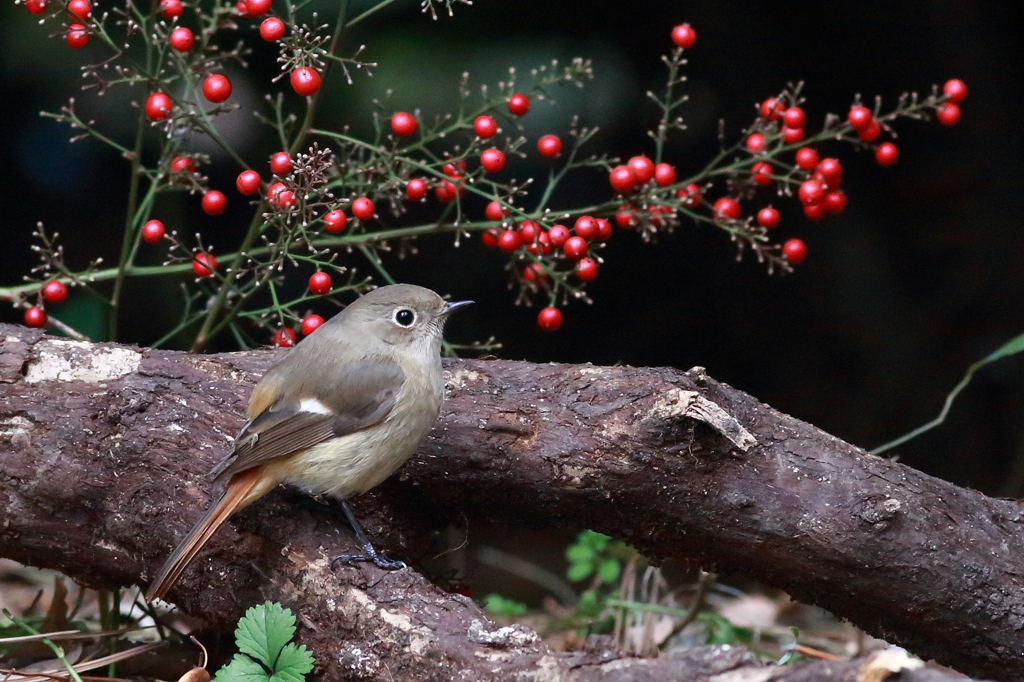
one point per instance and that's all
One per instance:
(103, 451)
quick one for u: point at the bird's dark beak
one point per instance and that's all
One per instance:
(452, 306)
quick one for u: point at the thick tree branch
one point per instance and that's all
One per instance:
(103, 450)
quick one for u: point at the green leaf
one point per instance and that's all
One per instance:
(263, 632)
(608, 571)
(589, 606)
(294, 663)
(241, 669)
(578, 572)
(595, 540)
(503, 606)
(579, 554)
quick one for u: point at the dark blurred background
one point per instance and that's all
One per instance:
(921, 276)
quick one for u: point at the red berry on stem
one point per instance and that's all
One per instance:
(835, 202)
(493, 160)
(181, 39)
(586, 269)
(36, 6)
(305, 81)
(416, 189)
(182, 164)
(281, 164)
(248, 182)
(623, 179)
(684, 36)
(755, 143)
(604, 229)
(214, 202)
(586, 227)
(509, 240)
(311, 323)
(271, 29)
(795, 251)
(171, 8)
(549, 146)
(257, 8)
(772, 109)
(485, 127)
(528, 231)
(626, 218)
(768, 217)
(77, 36)
(55, 292)
(727, 207)
(792, 135)
(691, 195)
(518, 104)
(540, 247)
(948, 114)
(761, 173)
(493, 211)
(80, 8)
(158, 106)
(204, 264)
(279, 196)
(794, 117)
(811, 192)
(558, 234)
(152, 231)
(445, 192)
(642, 167)
(334, 221)
(955, 89)
(453, 169)
(664, 174)
(831, 170)
(549, 318)
(283, 338)
(815, 211)
(241, 9)
(806, 159)
(886, 154)
(575, 248)
(403, 124)
(859, 117)
(35, 317)
(870, 133)
(362, 208)
(489, 238)
(216, 88)
(319, 283)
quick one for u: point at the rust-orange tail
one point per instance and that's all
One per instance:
(244, 488)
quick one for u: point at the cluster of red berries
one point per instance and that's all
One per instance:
(53, 292)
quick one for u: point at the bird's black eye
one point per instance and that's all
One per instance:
(404, 317)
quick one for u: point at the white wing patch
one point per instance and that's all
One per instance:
(314, 406)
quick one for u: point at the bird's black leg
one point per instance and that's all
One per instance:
(370, 553)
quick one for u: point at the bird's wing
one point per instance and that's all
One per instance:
(353, 396)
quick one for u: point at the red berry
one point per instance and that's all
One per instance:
(831, 170)
(248, 182)
(257, 8)
(835, 202)
(216, 88)
(36, 6)
(509, 240)
(586, 269)
(403, 124)
(871, 133)
(362, 208)
(541, 246)
(768, 217)
(305, 81)
(792, 135)
(886, 154)
(955, 90)
(80, 8)
(204, 264)
(815, 211)
(518, 104)
(35, 317)
(446, 192)
(626, 218)
(795, 251)
(416, 189)
(181, 39)
(76, 37)
(152, 231)
(528, 231)
(684, 36)
(575, 248)
(453, 169)
(158, 106)
(493, 211)
(241, 9)
(182, 164)
(283, 338)
(794, 117)
(806, 158)
(171, 8)
(558, 234)
(549, 318)
(859, 117)
(586, 227)
(727, 207)
(549, 146)
(311, 323)
(485, 127)
(489, 238)
(55, 292)
(690, 195)
(493, 160)
(604, 230)
(279, 196)
(811, 192)
(281, 164)
(948, 114)
(535, 273)
(214, 202)
(664, 174)
(642, 167)
(334, 221)
(772, 109)
(761, 173)
(319, 283)
(755, 143)
(271, 29)
(623, 179)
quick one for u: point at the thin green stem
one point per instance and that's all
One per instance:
(378, 6)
